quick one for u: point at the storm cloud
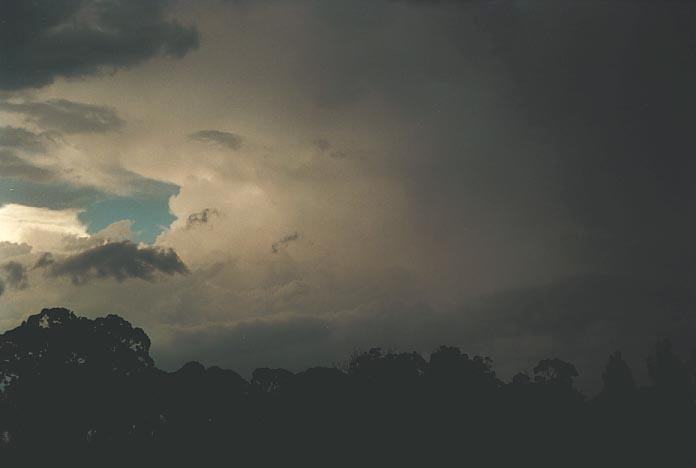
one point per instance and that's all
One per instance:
(46, 39)
(119, 261)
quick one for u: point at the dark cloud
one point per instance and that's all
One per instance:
(225, 139)
(120, 261)
(200, 218)
(275, 248)
(67, 116)
(45, 39)
(16, 275)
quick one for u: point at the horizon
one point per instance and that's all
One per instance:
(247, 374)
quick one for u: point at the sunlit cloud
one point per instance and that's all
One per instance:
(28, 224)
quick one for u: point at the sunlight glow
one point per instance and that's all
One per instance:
(19, 223)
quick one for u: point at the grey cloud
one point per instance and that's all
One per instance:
(119, 261)
(46, 39)
(217, 137)
(67, 116)
(16, 275)
(2, 287)
(275, 248)
(200, 218)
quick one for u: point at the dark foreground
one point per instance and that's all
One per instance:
(75, 389)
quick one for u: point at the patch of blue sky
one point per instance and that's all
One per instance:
(148, 208)
(150, 215)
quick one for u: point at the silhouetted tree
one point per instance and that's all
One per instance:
(453, 370)
(670, 375)
(271, 380)
(618, 380)
(555, 372)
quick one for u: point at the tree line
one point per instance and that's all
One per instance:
(73, 386)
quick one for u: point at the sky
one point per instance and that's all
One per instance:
(283, 182)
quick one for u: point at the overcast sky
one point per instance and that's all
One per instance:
(280, 182)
